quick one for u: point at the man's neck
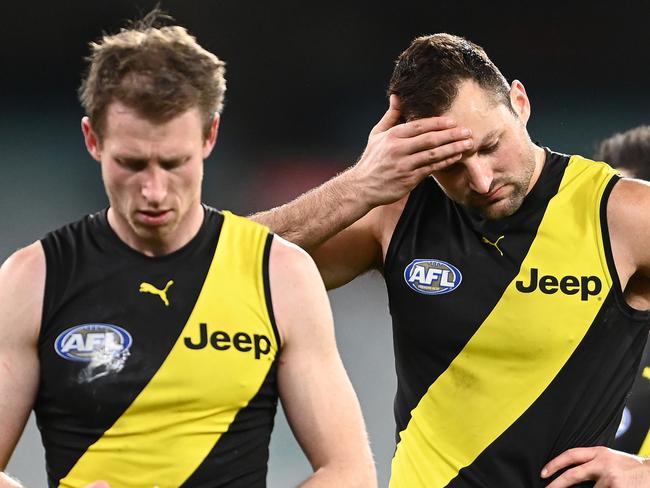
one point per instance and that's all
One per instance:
(164, 243)
(539, 155)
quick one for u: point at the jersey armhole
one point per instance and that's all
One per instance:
(267, 287)
(51, 284)
(632, 313)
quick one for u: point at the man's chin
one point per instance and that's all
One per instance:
(153, 232)
(497, 210)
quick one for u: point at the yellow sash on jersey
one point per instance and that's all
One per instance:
(516, 352)
(172, 425)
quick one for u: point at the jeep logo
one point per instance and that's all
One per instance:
(569, 285)
(221, 341)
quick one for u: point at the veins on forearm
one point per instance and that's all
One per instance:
(315, 216)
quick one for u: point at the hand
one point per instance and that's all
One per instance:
(398, 157)
(98, 484)
(608, 468)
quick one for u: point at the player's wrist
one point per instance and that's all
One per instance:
(355, 192)
(361, 189)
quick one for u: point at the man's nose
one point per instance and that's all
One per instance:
(154, 184)
(479, 175)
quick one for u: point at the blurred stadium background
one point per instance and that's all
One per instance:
(306, 82)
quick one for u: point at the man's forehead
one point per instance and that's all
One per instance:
(127, 129)
(471, 99)
(484, 124)
(477, 110)
(135, 147)
(127, 145)
(120, 113)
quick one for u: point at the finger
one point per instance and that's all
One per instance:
(394, 102)
(421, 126)
(438, 158)
(578, 474)
(440, 165)
(578, 455)
(425, 171)
(390, 118)
(99, 484)
(431, 141)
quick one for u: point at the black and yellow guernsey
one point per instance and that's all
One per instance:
(512, 339)
(158, 372)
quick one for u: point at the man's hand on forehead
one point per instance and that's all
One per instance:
(435, 142)
(400, 155)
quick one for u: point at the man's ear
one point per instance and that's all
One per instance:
(91, 139)
(210, 141)
(519, 101)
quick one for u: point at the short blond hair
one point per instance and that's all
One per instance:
(160, 72)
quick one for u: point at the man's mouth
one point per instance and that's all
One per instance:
(153, 217)
(494, 196)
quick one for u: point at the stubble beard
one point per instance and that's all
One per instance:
(508, 205)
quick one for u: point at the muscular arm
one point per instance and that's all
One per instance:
(316, 394)
(396, 159)
(22, 281)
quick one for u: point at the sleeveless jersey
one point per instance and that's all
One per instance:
(158, 371)
(513, 341)
(633, 434)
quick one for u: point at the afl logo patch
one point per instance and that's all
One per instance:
(83, 342)
(432, 277)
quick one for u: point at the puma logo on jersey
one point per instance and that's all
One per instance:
(494, 244)
(569, 285)
(149, 288)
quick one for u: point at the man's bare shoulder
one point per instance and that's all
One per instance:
(629, 200)
(628, 219)
(297, 290)
(22, 287)
(289, 256)
(292, 270)
(27, 265)
(385, 221)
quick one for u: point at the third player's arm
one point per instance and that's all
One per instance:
(316, 394)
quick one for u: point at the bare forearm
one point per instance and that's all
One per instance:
(319, 214)
(351, 476)
(396, 159)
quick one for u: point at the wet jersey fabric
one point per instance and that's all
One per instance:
(633, 434)
(512, 339)
(158, 371)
